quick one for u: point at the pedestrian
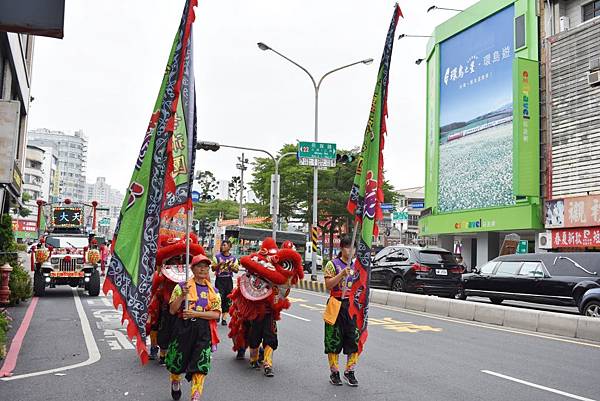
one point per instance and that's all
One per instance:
(225, 265)
(343, 334)
(194, 334)
(104, 253)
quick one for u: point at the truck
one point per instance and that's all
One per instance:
(66, 253)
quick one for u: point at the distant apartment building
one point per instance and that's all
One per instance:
(72, 159)
(109, 201)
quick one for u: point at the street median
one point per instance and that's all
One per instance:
(585, 328)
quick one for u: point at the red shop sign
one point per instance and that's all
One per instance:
(576, 238)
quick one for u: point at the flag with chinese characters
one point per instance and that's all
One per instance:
(366, 195)
(159, 193)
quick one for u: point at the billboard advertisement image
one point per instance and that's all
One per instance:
(476, 116)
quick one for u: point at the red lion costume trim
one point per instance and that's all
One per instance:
(264, 287)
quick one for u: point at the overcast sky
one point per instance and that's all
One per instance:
(104, 76)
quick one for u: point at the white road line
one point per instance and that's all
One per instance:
(90, 343)
(551, 390)
(294, 316)
(466, 323)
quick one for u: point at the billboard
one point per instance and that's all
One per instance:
(476, 115)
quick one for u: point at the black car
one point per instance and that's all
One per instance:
(428, 270)
(549, 278)
(590, 303)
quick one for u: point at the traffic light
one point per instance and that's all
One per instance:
(206, 145)
(344, 158)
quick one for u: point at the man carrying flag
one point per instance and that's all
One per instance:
(364, 203)
(158, 200)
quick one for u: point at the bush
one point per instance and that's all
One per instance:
(21, 247)
(20, 285)
(5, 321)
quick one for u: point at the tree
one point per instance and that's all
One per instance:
(207, 182)
(296, 187)
(227, 209)
(234, 188)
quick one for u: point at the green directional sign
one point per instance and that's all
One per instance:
(104, 222)
(400, 216)
(523, 246)
(316, 154)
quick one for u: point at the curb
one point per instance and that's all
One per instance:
(581, 327)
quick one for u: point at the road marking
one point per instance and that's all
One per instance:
(90, 343)
(451, 320)
(551, 390)
(311, 307)
(294, 316)
(15, 345)
(291, 299)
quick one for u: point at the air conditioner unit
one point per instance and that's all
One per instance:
(594, 78)
(595, 64)
(545, 240)
(564, 23)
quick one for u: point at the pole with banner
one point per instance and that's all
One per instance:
(366, 195)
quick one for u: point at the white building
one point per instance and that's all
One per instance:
(223, 190)
(72, 159)
(33, 176)
(107, 198)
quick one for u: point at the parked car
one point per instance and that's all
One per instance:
(423, 270)
(590, 303)
(549, 278)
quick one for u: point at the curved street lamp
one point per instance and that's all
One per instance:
(317, 86)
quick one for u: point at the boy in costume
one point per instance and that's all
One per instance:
(194, 334)
(343, 335)
(259, 298)
(170, 262)
(225, 265)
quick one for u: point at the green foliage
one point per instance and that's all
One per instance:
(5, 321)
(207, 182)
(211, 210)
(21, 247)
(7, 242)
(20, 284)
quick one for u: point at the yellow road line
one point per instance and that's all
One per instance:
(474, 324)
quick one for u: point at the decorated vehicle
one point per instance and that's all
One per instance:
(65, 253)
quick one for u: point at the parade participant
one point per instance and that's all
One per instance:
(343, 335)
(259, 298)
(195, 329)
(225, 265)
(170, 270)
(104, 253)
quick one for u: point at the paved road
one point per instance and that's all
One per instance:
(409, 356)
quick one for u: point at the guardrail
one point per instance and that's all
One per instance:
(582, 327)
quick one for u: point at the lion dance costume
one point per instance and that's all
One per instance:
(259, 298)
(170, 263)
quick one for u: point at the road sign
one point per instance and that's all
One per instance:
(417, 205)
(523, 246)
(387, 207)
(316, 154)
(195, 196)
(400, 216)
(104, 222)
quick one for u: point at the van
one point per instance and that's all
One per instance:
(308, 259)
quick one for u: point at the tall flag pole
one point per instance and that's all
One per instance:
(366, 195)
(159, 193)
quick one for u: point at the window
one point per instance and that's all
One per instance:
(488, 268)
(436, 257)
(508, 268)
(397, 255)
(531, 269)
(591, 10)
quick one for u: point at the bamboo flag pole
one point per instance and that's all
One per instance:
(187, 248)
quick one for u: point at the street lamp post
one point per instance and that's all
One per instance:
(205, 145)
(317, 86)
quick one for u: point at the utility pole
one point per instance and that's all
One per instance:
(242, 167)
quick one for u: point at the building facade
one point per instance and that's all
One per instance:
(482, 177)
(570, 67)
(109, 203)
(72, 159)
(16, 55)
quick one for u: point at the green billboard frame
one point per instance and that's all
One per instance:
(525, 214)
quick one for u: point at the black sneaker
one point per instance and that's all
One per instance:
(334, 379)
(153, 353)
(350, 379)
(223, 322)
(241, 353)
(176, 390)
(269, 371)
(254, 365)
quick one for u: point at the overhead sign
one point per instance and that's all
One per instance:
(34, 17)
(67, 217)
(195, 196)
(523, 246)
(387, 207)
(104, 222)
(417, 205)
(400, 216)
(316, 154)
